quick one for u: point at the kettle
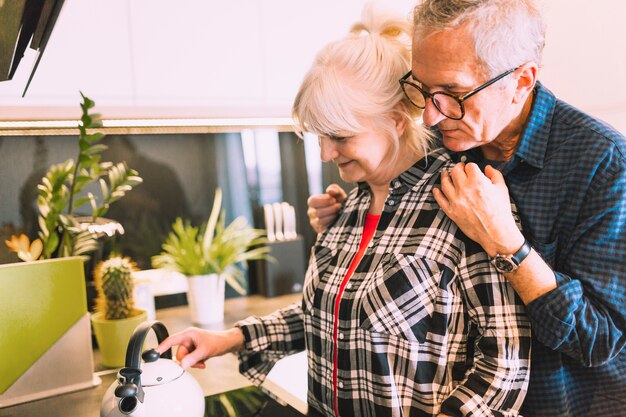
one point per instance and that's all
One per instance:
(157, 387)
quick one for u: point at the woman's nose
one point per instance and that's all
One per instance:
(328, 150)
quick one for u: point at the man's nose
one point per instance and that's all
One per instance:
(431, 114)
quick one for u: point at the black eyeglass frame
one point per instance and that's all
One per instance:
(459, 99)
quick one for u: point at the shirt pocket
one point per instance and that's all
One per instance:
(319, 267)
(408, 297)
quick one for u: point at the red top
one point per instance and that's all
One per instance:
(371, 221)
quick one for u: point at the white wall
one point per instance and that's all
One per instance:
(245, 58)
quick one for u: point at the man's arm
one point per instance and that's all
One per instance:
(584, 316)
(480, 205)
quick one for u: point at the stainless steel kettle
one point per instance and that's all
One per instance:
(157, 387)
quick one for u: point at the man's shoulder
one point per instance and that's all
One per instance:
(577, 132)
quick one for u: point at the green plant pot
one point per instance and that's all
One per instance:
(113, 337)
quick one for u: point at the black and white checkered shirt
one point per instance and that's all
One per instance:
(425, 325)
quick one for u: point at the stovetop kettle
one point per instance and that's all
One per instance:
(157, 387)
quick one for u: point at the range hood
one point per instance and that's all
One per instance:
(23, 22)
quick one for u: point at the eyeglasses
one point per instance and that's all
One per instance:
(448, 104)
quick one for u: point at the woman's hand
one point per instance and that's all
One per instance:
(323, 208)
(195, 345)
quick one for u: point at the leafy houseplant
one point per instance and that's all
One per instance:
(59, 196)
(213, 249)
(115, 318)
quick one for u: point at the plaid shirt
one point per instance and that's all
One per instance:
(426, 324)
(568, 180)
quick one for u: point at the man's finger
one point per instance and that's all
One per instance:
(447, 186)
(441, 200)
(337, 192)
(473, 172)
(457, 175)
(330, 211)
(320, 200)
(494, 175)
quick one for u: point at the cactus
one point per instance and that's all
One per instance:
(114, 283)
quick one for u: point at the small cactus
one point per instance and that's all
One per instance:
(114, 283)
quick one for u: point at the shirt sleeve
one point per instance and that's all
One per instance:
(585, 316)
(497, 381)
(268, 339)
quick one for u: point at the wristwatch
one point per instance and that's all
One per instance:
(509, 263)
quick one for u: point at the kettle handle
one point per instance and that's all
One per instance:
(135, 344)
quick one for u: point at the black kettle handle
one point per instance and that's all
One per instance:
(135, 344)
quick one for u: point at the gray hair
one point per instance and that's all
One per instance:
(507, 33)
(357, 77)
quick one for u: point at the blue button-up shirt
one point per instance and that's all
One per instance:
(568, 179)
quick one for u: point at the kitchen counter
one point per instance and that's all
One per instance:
(221, 373)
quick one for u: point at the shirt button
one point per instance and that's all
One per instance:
(391, 202)
(340, 384)
(340, 335)
(396, 184)
(463, 158)
(349, 286)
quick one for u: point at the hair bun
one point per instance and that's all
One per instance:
(381, 21)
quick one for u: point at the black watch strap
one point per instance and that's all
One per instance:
(522, 253)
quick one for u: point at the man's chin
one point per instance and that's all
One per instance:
(456, 145)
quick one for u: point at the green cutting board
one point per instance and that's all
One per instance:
(39, 302)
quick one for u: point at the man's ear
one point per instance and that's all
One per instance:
(526, 80)
(400, 121)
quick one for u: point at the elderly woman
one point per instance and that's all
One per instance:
(401, 314)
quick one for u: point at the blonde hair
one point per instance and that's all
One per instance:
(507, 33)
(357, 78)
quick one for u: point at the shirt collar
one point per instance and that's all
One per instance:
(430, 165)
(534, 139)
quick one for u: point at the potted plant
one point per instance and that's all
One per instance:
(62, 192)
(210, 256)
(115, 317)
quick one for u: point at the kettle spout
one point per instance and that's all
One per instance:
(130, 392)
(131, 406)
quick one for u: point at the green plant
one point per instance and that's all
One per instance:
(114, 283)
(59, 193)
(213, 248)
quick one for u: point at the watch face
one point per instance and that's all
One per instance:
(503, 264)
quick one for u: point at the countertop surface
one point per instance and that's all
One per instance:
(221, 373)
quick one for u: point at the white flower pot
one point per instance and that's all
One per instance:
(206, 298)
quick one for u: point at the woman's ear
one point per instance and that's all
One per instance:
(399, 119)
(526, 81)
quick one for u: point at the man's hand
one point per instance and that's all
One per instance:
(323, 208)
(480, 205)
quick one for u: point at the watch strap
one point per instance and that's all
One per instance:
(522, 252)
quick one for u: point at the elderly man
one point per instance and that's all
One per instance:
(474, 72)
